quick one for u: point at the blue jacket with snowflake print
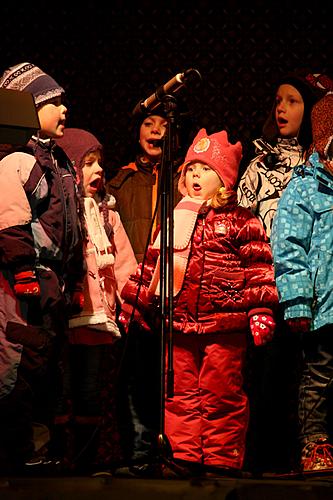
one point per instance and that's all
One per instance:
(302, 244)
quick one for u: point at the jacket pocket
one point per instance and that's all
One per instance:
(227, 289)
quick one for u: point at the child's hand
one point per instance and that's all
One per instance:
(299, 325)
(26, 285)
(262, 328)
(127, 315)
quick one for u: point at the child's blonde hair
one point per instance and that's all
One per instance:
(223, 197)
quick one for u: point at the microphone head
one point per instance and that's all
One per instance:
(191, 76)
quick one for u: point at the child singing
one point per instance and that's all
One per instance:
(223, 287)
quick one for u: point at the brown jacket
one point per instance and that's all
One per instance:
(132, 187)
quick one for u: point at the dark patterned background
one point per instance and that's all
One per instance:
(109, 58)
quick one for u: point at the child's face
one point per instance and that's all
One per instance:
(151, 132)
(92, 174)
(52, 117)
(289, 110)
(201, 181)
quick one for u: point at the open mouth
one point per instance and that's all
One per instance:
(196, 187)
(282, 121)
(155, 143)
(95, 183)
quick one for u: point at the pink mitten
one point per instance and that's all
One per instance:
(262, 328)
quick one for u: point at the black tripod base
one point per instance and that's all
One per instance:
(169, 466)
(163, 466)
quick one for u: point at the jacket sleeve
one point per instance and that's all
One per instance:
(125, 262)
(290, 239)
(256, 256)
(16, 239)
(76, 270)
(248, 187)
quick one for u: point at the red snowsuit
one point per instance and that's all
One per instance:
(229, 276)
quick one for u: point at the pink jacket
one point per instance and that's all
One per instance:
(96, 324)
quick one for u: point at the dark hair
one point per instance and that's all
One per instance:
(310, 96)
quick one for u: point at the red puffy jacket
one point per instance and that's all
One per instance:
(229, 275)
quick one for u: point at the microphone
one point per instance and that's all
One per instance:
(169, 88)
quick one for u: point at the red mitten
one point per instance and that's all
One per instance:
(26, 285)
(124, 319)
(299, 325)
(126, 316)
(262, 328)
(77, 302)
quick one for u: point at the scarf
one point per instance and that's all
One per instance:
(185, 216)
(96, 231)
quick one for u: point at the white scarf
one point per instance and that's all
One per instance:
(97, 234)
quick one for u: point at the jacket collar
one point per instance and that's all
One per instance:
(48, 144)
(320, 173)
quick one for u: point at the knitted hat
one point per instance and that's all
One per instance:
(322, 126)
(310, 92)
(218, 153)
(77, 143)
(322, 82)
(28, 78)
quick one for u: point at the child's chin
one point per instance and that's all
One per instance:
(198, 196)
(58, 134)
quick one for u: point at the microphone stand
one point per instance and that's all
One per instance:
(166, 275)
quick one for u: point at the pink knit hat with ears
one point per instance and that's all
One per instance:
(218, 153)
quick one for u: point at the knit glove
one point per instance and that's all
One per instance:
(299, 325)
(262, 328)
(26, 285)
(77, 302)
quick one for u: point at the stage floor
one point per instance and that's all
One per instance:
(86, 488)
